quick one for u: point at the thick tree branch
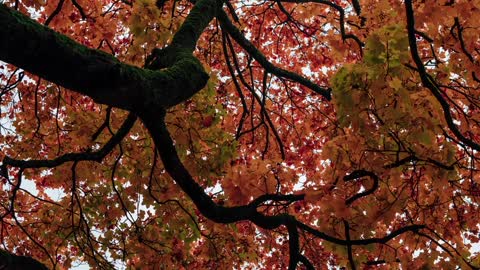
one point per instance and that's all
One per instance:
(153, 120)
(57, 58)
(10, 261)
(277, 198)
(293, 245)
(185, 39)
(199, 17)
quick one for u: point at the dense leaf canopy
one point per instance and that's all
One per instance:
(242, 134)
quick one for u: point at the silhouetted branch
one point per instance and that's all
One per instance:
(233, 31)
(9, 261)
(360, 242)
(277, 198)
(413, 158)
(55, 12)
(84, 156)
(462, 41)
(222, 214)
(357, 174)
(429, 82)
(349, 247)
(340, 10)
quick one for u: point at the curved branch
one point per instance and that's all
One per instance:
(55, 12)
(59, 59)
(154, 122)
(260, 101)
(440, 245)
(357, 174)
(80, 9)
(357, 7)
(233, 31)
(245, 110)
(277, 198)
(199, 17)
(105, 124)
(429, 82)
(462, 42)
(305, 262)
(340, 10)
(360, 242)
(84, 156)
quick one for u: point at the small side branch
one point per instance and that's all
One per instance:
(84, 156)
(233, 31)
(429, 82)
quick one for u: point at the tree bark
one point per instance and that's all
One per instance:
(10, 261)
(57, 58)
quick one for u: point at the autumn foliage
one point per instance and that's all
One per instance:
(208, 134)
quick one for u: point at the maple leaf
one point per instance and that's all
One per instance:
(223, 135)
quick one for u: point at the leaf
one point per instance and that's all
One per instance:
(251, 124)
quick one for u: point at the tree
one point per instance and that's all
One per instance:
(210, 134)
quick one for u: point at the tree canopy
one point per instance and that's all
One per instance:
(239, 134)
